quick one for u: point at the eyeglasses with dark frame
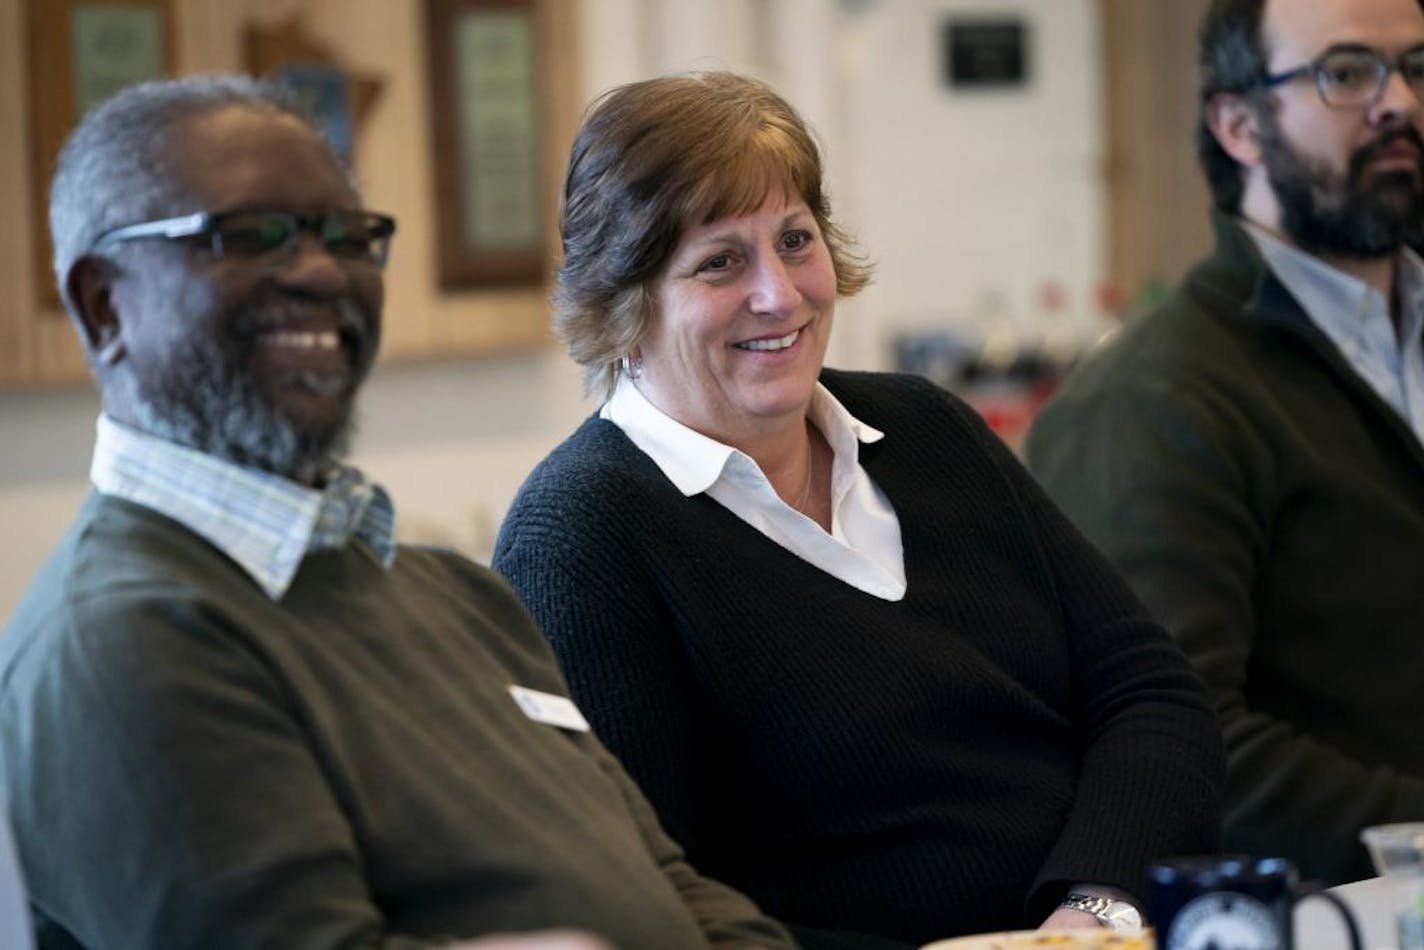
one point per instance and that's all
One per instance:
(362, 237)
(1354, 77)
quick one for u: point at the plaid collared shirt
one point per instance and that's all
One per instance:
(264, 522)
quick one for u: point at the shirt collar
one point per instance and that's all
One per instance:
(691, 460)
(264, 522)
(1343, 306)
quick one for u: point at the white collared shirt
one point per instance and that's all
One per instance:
(264, 522)
(863, 547)
(1356, 318)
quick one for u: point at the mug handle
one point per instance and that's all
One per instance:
(1303, 891)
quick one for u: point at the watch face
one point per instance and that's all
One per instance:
(1224, 919)
(1123, 916)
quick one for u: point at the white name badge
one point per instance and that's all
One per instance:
(549, 709)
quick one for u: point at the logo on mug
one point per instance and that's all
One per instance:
(1224, 919)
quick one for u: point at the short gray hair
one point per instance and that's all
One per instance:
(116, 167)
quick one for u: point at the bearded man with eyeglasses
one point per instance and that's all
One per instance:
(233, 712)
(1251, 454)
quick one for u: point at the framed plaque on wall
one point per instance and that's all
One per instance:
(486, 89)
(81, 52)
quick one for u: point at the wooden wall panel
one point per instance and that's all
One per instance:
(393, 158)
(1157, 200)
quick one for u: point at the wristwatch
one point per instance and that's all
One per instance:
(1112, 914)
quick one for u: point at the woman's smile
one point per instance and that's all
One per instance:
(745, 306)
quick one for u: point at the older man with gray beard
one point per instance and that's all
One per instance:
(233, 713)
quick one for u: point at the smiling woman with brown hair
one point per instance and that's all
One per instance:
(864, 669)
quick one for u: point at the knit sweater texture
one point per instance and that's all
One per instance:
(191, 764)
(1268, 507)
(940, 765)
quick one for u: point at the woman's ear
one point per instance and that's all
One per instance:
(90, 286)
(1232, 120)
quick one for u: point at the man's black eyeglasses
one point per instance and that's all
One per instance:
(1354, 77)
(248, 233)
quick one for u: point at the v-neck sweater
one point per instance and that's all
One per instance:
(940, 765)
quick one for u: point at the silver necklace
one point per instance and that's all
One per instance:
(810, 477)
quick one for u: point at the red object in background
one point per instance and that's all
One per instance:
(1009, 408)
(1110, 300)
(1052, 298)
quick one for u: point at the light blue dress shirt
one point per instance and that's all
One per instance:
(1356, 318)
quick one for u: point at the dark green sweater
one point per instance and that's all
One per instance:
(1269, 508)
(940, 765)
(190, 764)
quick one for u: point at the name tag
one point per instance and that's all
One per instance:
(549, 709)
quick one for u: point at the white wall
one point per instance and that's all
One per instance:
(956, 196)
(44, 458)
(964, 197)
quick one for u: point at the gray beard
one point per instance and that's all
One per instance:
(205, 401)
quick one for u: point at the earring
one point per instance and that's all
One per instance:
(632, 366)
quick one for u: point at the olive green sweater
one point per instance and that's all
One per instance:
(190, 764)
(1268, 506)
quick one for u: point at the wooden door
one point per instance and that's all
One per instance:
(1157, 199)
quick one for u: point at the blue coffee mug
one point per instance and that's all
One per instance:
(1246, 903)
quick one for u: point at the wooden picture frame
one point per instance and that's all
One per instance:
(487, 93)
(337, 98)
(82, 51)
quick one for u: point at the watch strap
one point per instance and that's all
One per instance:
(1109, 911)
